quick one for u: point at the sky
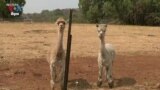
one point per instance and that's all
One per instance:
(36, 6)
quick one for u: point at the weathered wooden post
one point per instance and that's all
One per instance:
(69, 40)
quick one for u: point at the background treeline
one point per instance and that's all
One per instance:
(135, 12)
(51, 16)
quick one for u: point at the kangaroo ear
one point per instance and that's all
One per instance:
(97, 25)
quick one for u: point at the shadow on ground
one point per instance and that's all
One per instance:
(81, 84)
(125, 81)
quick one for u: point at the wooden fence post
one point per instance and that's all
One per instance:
(69, 40)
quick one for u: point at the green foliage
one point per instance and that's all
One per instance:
(136, 12)
(145, 12)
(139, 12)
(3, 9)
(91, 8)
(47, 16)
(51, 16)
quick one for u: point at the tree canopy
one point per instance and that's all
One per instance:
(135, 12)
(140, 12)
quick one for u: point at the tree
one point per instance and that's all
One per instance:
(3, 9)
(138, 12)
(91, 8)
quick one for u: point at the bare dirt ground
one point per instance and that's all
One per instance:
(24, 48)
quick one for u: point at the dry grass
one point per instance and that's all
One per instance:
(128, 40)
(29, 44)
(21, 40)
